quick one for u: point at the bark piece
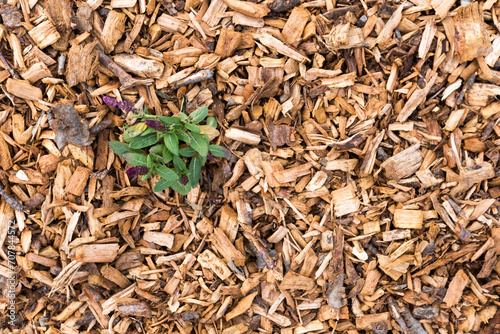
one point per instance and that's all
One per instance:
(384, 36)
(228, 42)
(171, 24)
(471, 37)
(275, 44)
(411, 219)
(133, 307)
(95, 253)
(291, 174)
(216, 7)
(69, 126)
(367, 321)
(226, 248)
(456, 288)
(60, 14)
(11, 16)
(280, 6)
(416, 98)
(113, 29)
(23, 90)
(145, 68)
(243, 306)
(159, 238)
(295, 25)
(293, 281)
(208, 260)
(345, 201)
(78, 181)
(248, 8)
(44, 34)
(403, 164)
(279, 135)
(472, 175)
(243, 136)
(123, 3)
(82, 61)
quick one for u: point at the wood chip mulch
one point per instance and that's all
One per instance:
(362, 194)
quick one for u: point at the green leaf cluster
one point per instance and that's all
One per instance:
(175, 148)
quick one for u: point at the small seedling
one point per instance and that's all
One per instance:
(175, 148)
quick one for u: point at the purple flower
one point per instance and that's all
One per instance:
(184, 180)
(127, 106)
(156, 125)
(139, 170)
(123, 105)
(112, 102)
(210, 156)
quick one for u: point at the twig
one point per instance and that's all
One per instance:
(402, 314)
(9, 68)
(100, 126)
(195, 78)
(259, 246)
(60, 64)
(125, 79)
(413, 325)
(465, 88)
(395, 314)
(9, 199)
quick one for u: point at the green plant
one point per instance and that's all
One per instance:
(175, 148)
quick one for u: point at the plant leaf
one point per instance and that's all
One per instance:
(192, 128)
(199, 143)
(195, 171)
(163, 184)
(172, 142)
(141, 142)
(157, 149)
(198, 115)
(167, 155)
(121, 148)
(183, 117)
(165, 96)
(212, 121)
(187, 152)
(183, 136)
(147, 132)
(145, 177)
(135, 159)
(149, 161)
(210, 131)
(218, 151)
(134, 131)
(166, 173)
(183, 105)
(169, 120)
(179, 164)
(180, 188)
